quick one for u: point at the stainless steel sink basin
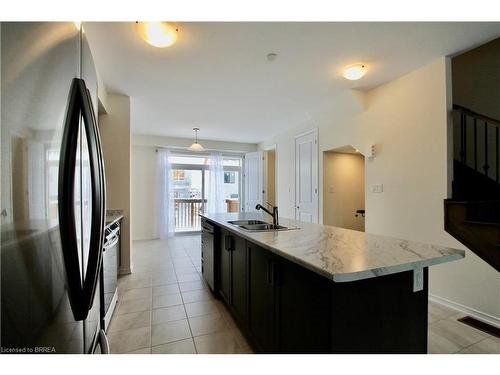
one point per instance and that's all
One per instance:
(257, 225)
(263, 227)
(246, 222)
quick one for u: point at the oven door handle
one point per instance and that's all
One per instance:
(108, 245)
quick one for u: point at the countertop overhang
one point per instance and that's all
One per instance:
(341, 255)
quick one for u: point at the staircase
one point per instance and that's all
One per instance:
(472, 215)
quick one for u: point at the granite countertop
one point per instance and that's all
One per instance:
(341, 255)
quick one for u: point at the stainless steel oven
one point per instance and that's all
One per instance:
(208, 253)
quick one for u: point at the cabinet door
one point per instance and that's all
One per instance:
(239, 293)
(303, 310)
(261, 318)
(225, 266)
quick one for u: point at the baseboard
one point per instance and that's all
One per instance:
(125, 270)
(144, 238)
(490, 319)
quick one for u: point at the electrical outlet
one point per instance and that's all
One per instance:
(331, 190)
(377, 188)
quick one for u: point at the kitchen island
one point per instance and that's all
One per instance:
(322, 289)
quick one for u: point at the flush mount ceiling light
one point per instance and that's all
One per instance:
(271, 56)
(354, 72)
(196, 146)
(158, 34)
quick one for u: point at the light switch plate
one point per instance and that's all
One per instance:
(377, 188)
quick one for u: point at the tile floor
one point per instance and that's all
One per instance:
(166, 307)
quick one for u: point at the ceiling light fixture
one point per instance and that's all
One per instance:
(271, 56)
(196, 146)
(158, 34)
(354, 72)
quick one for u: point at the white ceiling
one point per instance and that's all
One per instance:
(216, 77)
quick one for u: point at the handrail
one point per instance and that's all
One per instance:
(476, 115)
(187, 200)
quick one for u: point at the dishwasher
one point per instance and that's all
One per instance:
(208, 253)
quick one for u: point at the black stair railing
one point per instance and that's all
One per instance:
(490, 128)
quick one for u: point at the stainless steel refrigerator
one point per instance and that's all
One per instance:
(52, 191)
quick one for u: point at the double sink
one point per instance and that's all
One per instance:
(257, 225)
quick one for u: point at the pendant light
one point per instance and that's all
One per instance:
(196, 146)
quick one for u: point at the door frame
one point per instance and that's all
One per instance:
(276, 171)
(315, 132)
(246, 177)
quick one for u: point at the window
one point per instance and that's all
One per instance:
(229, 177)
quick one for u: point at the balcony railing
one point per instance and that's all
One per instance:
(186, 214)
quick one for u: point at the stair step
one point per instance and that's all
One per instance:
(482, 222)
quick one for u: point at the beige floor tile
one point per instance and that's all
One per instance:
(131, 320)
(205, 324)
(184, 277)
(140, 351)
(125, 307)
(438, 312)
(197, 296)
(168, 314)
(129, 340)
(192, 285)
(217, 343)
(183, 270)
(201, 308)
(134, 283)
(243, 344)
(486, 346)
(437, 344)
(167, 300)
(169, 332)
(166, 289)
(165, 279)
(228, 318)
(457, 333)
(177, 347)
(138, 293)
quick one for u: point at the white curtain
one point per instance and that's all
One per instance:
(215, 196)
(165, 196)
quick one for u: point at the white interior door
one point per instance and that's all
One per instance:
(253, 180)
(306, 177)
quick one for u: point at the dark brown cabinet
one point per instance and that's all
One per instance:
(225, 266)
(233, 274)
(302, 310)
(262, 298)
(288, 305)
(283, 307)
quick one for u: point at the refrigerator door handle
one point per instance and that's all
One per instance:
(104, 342)
(98, 195)
(66, 207)
(81, 288)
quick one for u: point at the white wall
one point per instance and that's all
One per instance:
(144, 224)
(115, 137)
(407, 120)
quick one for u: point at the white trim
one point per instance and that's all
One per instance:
(490, 319)
(314, 131)
(276, 171)
(124, 270)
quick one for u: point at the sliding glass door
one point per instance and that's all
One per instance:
(190, 176)
(188, 198)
